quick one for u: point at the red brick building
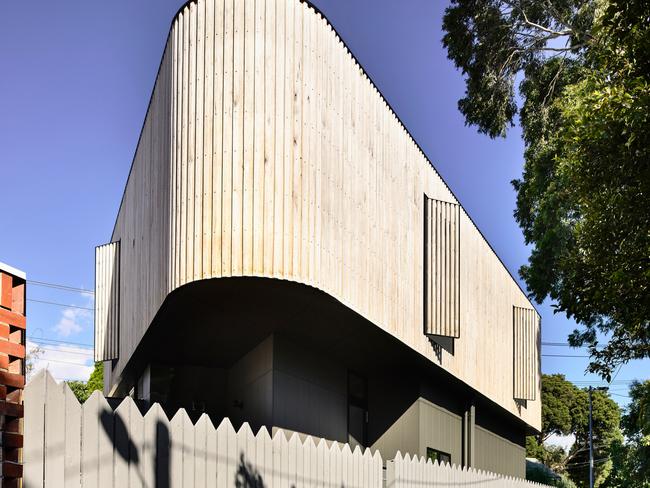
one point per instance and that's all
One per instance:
(12, 372)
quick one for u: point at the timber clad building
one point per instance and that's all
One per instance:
(285, 254)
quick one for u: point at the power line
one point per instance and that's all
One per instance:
(565, 355)
(89, 353)
(60, 304)
(586, 463)
(589, 382)
(59, 286)
(45, 339)
(563, 344)
(618, 371)
(63, 362)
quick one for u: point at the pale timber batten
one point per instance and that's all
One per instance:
(442, 268)
(525, 325)
(107, 301)
(267, 151)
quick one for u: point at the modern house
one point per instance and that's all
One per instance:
(285, 254)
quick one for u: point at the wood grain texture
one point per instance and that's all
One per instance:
(291, 165)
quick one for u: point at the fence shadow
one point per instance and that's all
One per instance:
(118, 432)
(162, 456)
(247, 476)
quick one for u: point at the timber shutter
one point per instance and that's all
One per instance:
(442, 268)
(525, 353)
(107, 301)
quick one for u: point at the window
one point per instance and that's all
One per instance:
(436, 455)
(442, 268)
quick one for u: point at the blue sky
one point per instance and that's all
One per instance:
(75, 82)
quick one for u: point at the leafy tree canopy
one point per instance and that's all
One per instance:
(565, 411)
(631, 459)
(82, 390)
(584, 107)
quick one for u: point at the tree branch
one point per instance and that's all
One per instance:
(551, 86)
(563, 49)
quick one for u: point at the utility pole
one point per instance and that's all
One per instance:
(591, 445)
(591, 436)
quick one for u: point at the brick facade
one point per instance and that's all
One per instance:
(12, 373)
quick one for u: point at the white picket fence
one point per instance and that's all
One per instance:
(407, 472)
(69, 445)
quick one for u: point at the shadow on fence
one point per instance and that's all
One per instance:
(247, 475)
(115, 428)
(67, 444)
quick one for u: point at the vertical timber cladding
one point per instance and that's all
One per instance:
(267, 151)
(442, 268)
(525, 353)
(107, 301)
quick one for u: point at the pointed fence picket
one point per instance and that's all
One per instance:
(407, 472)
(69, 445)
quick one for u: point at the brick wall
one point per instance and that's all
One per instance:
(12, 373)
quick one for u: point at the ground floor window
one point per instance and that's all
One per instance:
(436, 455)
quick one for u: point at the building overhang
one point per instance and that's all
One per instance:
(212, 323)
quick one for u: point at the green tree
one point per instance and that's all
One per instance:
(559, 405)
(584, 108)
(565, 411)
(83, 389)
(631, 458)
(542, 475)
(79, 389)
(96, 380)
(606, 420)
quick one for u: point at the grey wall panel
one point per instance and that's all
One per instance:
(496, 454)
(107, 301)
(441, 430)
(250, 387)
(403, 435)
(309, 392)
(423, 425)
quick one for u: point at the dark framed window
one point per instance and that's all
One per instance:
(436, 455)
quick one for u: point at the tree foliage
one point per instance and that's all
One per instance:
(565, 411)
(82, 390)
(631, 458)
(541, 474)
(584, 108)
